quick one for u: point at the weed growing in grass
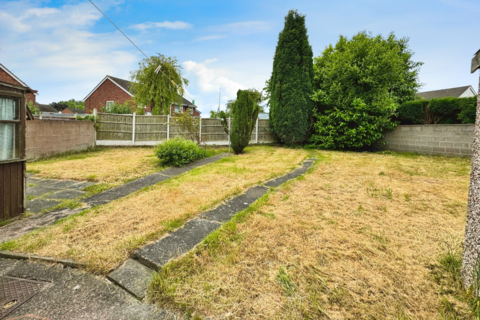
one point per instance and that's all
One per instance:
(381, 173)
(31, 185)
(285, 197)
(33, 171)
(92, 177)
(172, 225)
(96, 188)
(284, 280)
(378, 193)
(407, 197)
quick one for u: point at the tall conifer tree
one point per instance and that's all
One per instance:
(290, 86)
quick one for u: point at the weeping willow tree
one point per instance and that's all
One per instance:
(155, 87)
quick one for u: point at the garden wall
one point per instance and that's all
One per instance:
(48, 137)
(434, 139)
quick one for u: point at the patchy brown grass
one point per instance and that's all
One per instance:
(357, 238)
(113, 166)
(104, 237)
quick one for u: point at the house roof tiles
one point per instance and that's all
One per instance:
(444, 93)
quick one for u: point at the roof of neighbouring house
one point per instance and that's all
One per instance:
(445, 93)
(11, 74)
(46, 108)
(74, 110)
(125, 85)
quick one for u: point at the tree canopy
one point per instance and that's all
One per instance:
(290, 86)
(359, 84)
(157, 89)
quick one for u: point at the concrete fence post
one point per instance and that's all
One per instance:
(256, 132)
(168, 127)
(200, 125)
(133, 128)
(95, 123)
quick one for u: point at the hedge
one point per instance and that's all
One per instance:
(438, 111)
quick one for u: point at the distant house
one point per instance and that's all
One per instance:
(73, 111)
(46, 108)
(8, 76)
(458, 92)
(112, 89)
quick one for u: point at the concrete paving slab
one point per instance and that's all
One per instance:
(37, 205)
(225, 212)
(62, 184)
(177, 243)
(21, 227)
(65, 194)
(74, 294)
(38, 191)
(294, 174)
(81, 185)
(133, 277)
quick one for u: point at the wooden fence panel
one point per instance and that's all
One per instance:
(151, 128)
(114, 126)
(157, 128)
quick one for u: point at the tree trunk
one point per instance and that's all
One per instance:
(471, 247)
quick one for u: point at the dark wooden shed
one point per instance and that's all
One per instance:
(12, 150)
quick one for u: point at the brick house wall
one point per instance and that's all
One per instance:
(9, 79)
(48, 137)
(107, 91)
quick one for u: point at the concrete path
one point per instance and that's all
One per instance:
(21, 227)
(48, 193)
(134, 275)
(65, 294)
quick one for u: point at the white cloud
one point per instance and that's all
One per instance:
(208, 82)
(210, 60)
(54, 51)
(164, 24)
(212, 37)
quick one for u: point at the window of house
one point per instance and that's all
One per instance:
(109, 104)
(177, 109)
(9, 128)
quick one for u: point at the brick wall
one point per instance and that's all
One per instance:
(48, 137)
(435, 139)
(9, 79)
(108, 91)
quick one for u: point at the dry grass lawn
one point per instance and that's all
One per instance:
(113, 166)
(356, 238)
(104, 237)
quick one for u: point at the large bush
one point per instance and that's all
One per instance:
(412, 112)
(179, 152)
(290, 85)
(245, 114)
(360, 82)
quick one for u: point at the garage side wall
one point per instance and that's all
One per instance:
(48, 137)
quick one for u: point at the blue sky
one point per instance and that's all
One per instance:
(64, 48)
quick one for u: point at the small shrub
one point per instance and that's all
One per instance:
(245, 113)
(179, 152)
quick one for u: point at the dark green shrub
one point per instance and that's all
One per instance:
(179, 152)
(245, 114)
(291, 83)
(352, 129)
(128, 107)
(468, 110)
(411, 112)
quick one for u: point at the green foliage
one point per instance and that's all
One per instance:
(156, 89)
(245, 114)
(72, 104)
(360, 83)
(33, 107)
(354, 128)
(88, 117)
(128, 107)
(445, 110)
(190, 125)
(179, 152)
(411, 112)
(291, 84)
(468, 109)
